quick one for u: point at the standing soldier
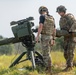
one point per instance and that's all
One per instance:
(67, 22)
(46, 28)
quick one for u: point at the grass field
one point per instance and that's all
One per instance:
(57, 60)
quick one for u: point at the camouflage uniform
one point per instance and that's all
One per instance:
(46, 36)
(67, 23)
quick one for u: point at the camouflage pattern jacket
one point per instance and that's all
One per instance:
(68, 23)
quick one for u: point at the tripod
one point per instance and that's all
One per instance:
(32, 55)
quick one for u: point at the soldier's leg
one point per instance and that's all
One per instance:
(65, 49)
(71, 47)
(69, 53)
(46, 50)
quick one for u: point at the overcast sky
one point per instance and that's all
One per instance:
(13, 10)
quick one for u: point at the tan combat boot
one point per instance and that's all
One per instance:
(48, 69)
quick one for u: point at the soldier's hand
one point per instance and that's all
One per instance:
(37, 39)
(52, 42)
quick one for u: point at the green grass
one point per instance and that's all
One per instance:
(57, 60)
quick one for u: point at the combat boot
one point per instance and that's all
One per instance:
(48, 71)
(68, 68)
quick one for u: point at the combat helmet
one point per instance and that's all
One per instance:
(61, 8)
(43, 8)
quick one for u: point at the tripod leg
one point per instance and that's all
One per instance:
(33, 60)
(39, 59)
(39, 55)
(17, 60)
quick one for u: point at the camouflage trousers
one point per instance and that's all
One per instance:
(45, 43)
(69, 46)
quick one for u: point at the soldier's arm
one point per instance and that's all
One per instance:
(39, 31)
(72, 22)
(42, 19)
(53, 34)
(54, 31)
(73, 28)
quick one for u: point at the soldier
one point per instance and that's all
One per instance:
(46, 28)
(67, 22)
